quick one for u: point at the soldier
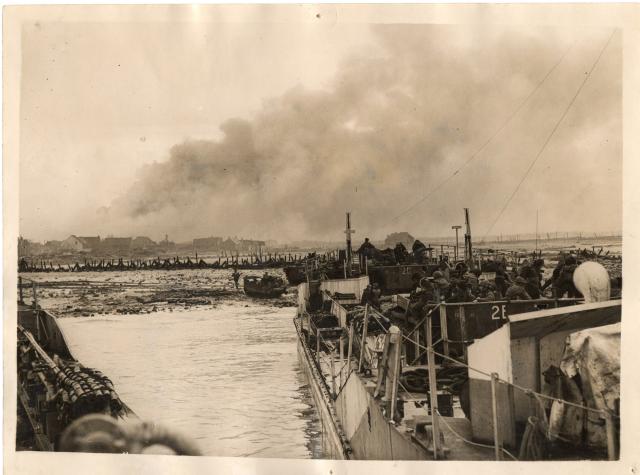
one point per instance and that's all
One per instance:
(366, 249)
(366, 295)
(419, 251)
(444, 269)
(517, 290)
(400, 252)
(419, 299)
(471, 280)
(487, 291)
(374, 297)
(533, 275)
(441, 287)
(236, 277)
(565, 280)
(554, 280)
(503, 281)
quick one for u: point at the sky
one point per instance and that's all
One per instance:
(273, 131)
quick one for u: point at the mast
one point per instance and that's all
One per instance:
(468, 251)
(348, 231)
(457, 249)
(536, 231)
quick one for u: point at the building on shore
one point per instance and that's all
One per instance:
(117, 244)
(27, 248)
(91, 243)
(52, 247)
(143, 243)
(73, 244)
(250, 246)
(207, 244)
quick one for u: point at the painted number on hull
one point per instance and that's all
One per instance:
(498, 312)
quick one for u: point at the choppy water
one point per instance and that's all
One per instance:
(227, 376)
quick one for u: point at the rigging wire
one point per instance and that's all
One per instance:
(553, 131)
(489, 140)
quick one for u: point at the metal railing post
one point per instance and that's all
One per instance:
(443, 328)
(433, 390)
(497, 442)
(611, 440)
(341, 359)
(35, 295)
(333, 375)
(363, 344)
(395, 353)
(350, 348)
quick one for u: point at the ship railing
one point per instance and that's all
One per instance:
(403, 301)
(491, 314)
(536, 425)
(389, 377)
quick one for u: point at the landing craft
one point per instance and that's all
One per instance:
(66, 406)
(267, 286)
(467, 381)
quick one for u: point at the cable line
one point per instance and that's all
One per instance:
(488, 141)
(553, 131)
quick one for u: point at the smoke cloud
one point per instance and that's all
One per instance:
(397, 118)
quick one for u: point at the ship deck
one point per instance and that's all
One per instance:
(456, 430)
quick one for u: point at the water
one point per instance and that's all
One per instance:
(228, 376)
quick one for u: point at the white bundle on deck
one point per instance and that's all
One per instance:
(593, 355)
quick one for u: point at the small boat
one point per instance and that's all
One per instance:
(268, 286)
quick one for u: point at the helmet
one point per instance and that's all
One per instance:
(438, 275)
(520, 280)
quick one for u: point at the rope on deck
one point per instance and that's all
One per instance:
(470, 442)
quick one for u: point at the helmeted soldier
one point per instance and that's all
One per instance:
(517, 290)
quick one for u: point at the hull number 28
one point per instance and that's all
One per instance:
(498, 312)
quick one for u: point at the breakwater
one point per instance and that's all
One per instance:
(247, 262)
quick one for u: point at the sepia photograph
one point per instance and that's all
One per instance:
(287, 232)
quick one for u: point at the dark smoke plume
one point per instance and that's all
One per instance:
(394, 119)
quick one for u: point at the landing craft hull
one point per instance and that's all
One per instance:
(265, 294)
(353, 426)
(41, 414)
(333, 446)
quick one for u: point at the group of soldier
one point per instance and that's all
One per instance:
(398, 255)
(462, 284)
